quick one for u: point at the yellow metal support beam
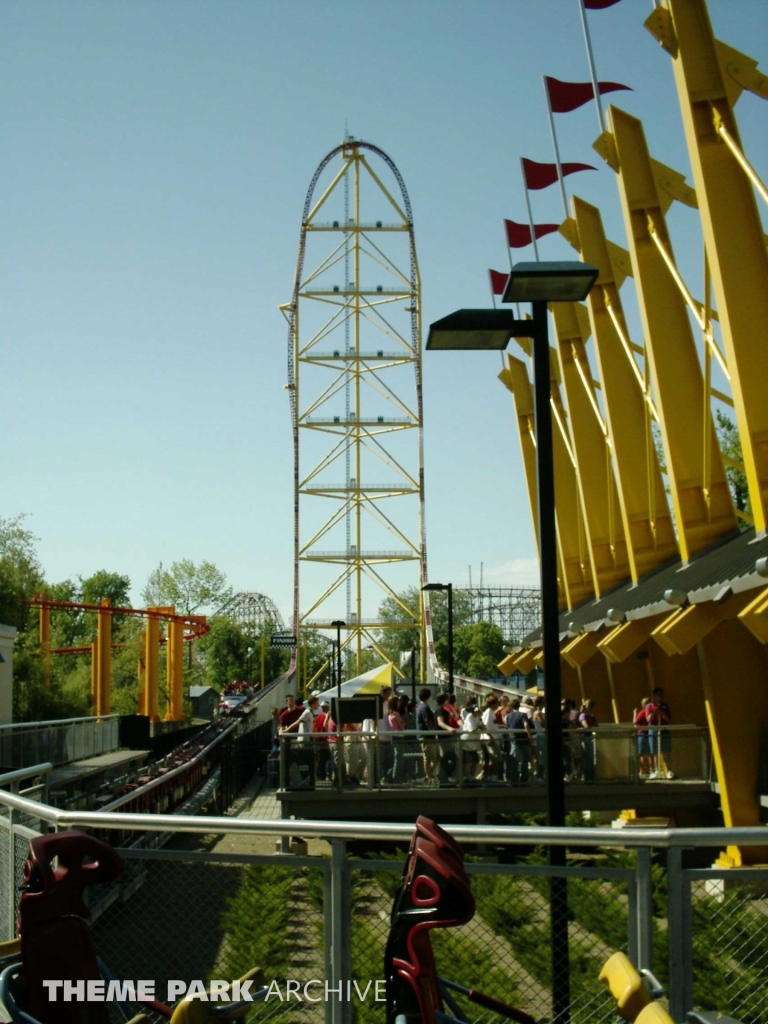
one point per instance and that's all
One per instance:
(626, 638)
(507, 665)
(755, 617)
(575, 580)
(737, 711)
(733, 233)
(740, 72)
(591, 450)
(174, 711)
(579, 651)
(648, 527)
(687, 627)
(699, 489)
(515, 378)
(526, 661)
(575, 554)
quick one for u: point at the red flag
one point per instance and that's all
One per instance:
(599, 5)
(519, 235)
(542, 175)
(498, 280)
(565, 96)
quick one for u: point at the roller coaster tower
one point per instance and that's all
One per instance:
(354, 381)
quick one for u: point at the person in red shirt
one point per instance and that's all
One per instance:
(324, 763)
(290, 717)
(659, 715)
(640, 718)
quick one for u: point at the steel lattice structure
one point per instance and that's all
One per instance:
(354, 380)
(252, 612)
(515, 610)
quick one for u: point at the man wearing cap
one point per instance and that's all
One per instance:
(322, 746)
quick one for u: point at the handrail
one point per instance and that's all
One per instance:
(505, 835)
(57, 721)
(622, 728)
(26, 773)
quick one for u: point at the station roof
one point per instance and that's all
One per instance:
(728, 563)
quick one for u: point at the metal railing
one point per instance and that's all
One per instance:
(408, 759)
(59, 741)
(216, 912)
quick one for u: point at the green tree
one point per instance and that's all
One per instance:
(478, 647)
(20, 571)
(730, 446)
(101, 584)
(224, 654)
(188, 587)
(392, 641)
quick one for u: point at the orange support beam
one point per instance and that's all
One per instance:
(174, 711)
(104, 659)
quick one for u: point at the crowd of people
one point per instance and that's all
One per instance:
(499, 740)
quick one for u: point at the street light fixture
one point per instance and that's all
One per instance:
(449, 588)
(564, 281)
(539, 284)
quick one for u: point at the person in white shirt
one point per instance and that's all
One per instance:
(491, 753)
(471, 731)
(526, 707)
(306, 721)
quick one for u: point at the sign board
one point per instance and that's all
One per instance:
(282, 641)
(356, 709)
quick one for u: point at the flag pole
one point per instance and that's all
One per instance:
(592, 69)
(493, 297)
(554, 146)
(530, 215)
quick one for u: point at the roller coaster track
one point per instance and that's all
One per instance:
(291, 312)
(349, 151)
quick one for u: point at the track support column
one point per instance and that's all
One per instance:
(174, 711)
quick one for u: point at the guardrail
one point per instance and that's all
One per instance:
(407, 759)
(326, 915)
(59, 741)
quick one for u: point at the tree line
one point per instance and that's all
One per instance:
(230, 651)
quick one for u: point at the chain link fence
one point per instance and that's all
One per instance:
(194, 911)
(505, 949)
(729, 945)
(185, 916)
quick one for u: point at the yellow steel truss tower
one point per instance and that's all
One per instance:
(354, 379)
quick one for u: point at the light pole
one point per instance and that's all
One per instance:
(449, 588)
(248, 654)
(484, 329)
(338, 624)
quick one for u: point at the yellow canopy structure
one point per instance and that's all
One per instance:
(369, 682)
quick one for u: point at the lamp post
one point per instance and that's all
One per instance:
(248, 654)
(338, 624)
(484, 329)
(449, 588)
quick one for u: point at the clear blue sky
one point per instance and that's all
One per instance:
(155, 160)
